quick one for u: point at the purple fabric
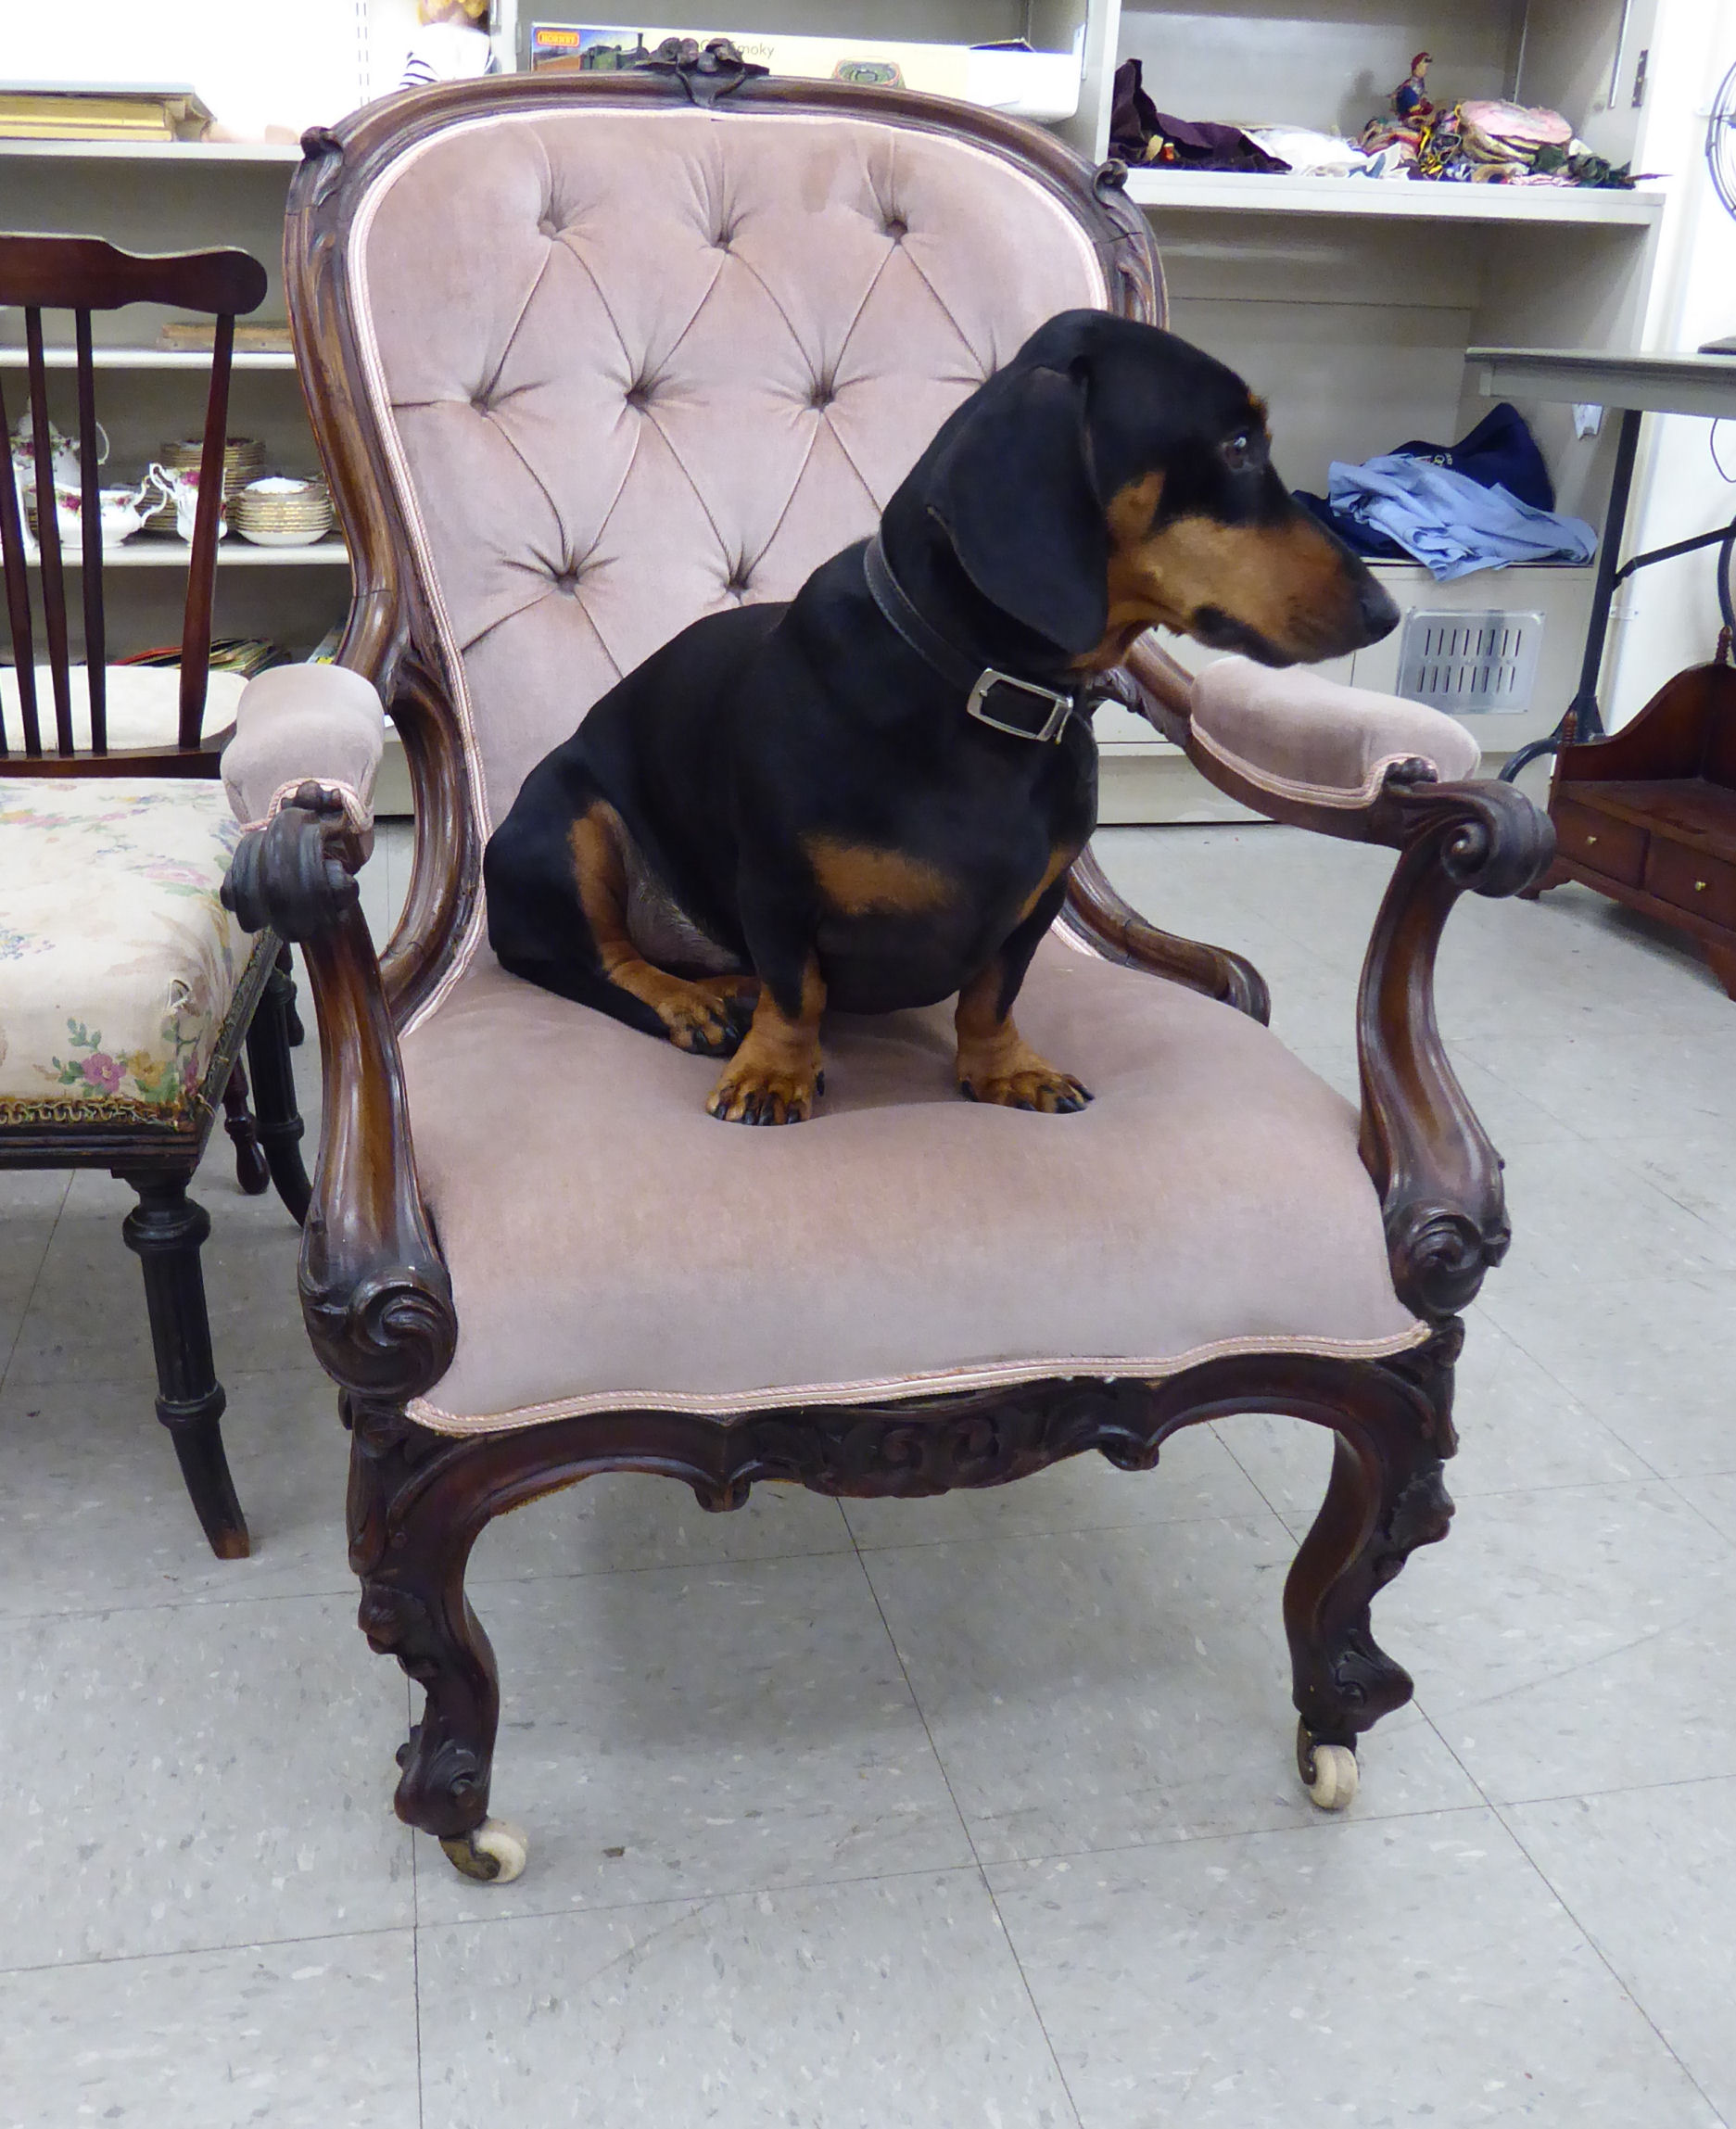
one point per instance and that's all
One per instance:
(1135, 124)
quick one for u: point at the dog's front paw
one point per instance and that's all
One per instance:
(754, 1093)
(1029, 1084)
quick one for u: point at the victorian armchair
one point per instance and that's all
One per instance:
(588, 357)
(126, 991)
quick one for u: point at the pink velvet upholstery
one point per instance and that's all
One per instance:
(646, 364)
(1299, 736)
(610, 1244)
(298, 723)
(632, 366)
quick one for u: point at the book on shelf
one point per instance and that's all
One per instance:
(62, 111)
(1010, 77)
(253, 336)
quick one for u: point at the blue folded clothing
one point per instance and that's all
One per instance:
(1389, 508)
(1449, 521)
(1501, 451)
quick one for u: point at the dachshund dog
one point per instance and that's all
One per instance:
(869, 797)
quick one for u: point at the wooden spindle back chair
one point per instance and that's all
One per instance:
(84, 274)
(71, 857)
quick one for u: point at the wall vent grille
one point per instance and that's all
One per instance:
(1472, 665)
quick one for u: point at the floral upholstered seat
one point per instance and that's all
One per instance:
(118, 965)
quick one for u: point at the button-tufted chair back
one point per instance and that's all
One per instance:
(630, 361)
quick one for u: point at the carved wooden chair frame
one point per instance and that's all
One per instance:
(376, 1292)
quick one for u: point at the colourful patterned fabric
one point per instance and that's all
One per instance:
(118, 965)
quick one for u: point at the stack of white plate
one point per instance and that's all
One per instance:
(281, 512)
(243, 458)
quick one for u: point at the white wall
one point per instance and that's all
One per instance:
(1668, 615)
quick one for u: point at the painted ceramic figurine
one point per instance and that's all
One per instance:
(1409, 99)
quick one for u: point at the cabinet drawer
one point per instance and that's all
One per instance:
(1704, 886)
(1613, 847)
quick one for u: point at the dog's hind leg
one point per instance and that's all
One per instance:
(708, 1014)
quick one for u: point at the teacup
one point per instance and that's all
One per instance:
(183, 490)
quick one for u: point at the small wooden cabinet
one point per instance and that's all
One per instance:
(1649, 815)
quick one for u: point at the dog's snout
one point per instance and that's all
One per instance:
(1378, 610)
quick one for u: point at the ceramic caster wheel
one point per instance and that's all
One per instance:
(494, 1852)
(1328, 1772)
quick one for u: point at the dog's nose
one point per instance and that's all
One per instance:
(1378, 610)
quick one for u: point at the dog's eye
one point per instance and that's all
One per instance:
(1243, 451)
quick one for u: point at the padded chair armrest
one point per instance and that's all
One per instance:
(305, 724)
(376, 1292)
(1313, 753)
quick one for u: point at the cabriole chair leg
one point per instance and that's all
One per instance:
(165, 1230)
(251, 1171)
(1386, 1497)
(280, 1126)
(414, 1608)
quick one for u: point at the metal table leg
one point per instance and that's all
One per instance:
(1587, 723)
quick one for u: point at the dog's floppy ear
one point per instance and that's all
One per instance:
(1014, 493)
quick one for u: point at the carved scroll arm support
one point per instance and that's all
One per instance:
(1151, 683)
(375, 1289)
(1438, 1174)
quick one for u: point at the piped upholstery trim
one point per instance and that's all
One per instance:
(1347, 798)
(937, 1382)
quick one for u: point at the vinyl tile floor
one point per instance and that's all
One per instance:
(972, 1812)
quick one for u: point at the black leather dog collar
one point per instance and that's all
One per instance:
(994, 698)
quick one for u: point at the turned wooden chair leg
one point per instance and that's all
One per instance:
(292, 1018)
(165, 1230)
(279, 1121)
(1386, 1497)
(251, 1171)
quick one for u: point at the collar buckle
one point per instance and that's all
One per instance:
(1060, 707)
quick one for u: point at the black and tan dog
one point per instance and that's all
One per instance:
(869, 797)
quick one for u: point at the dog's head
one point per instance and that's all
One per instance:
(1112, 477)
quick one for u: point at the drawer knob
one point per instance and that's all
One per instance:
(1700, 886)
(1590, 840)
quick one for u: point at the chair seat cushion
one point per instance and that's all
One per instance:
(611, 1245)
(118, 963)
(141, 703)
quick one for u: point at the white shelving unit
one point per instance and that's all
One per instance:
(146, 551)
(1234, 192)
(123, 357)
(172, 196)
(1347, 303)
(204, 153)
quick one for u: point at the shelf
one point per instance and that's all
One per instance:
(1239, 192)
(152, 358)
(153, 552)
(158, 151)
